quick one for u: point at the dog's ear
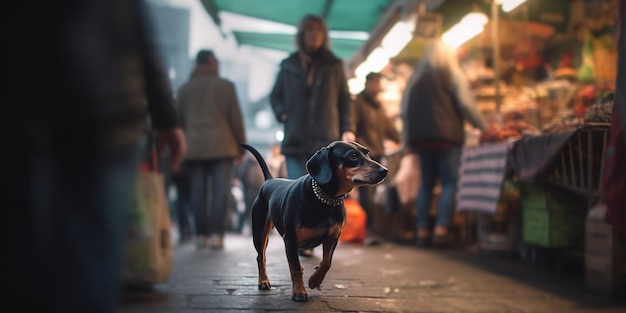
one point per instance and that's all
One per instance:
(319, 166)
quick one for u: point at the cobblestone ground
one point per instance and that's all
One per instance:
(383, 278)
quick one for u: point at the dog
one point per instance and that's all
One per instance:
(309, 211)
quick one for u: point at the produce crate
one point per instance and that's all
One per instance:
(552, 217)
(605, 256)
(580, 163)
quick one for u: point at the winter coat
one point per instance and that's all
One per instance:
(433, 116)
(316, 114)
(211, 117)
(372, 125)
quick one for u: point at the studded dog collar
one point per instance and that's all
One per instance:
(324, 198)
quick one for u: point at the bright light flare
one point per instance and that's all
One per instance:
(470, 26)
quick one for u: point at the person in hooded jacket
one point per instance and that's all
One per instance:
(311, 98)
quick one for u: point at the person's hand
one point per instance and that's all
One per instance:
(174, 138)
(348, 136)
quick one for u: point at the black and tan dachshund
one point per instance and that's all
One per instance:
(309, 211)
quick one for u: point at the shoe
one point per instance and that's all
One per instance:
(422, 239)
(422, 242)
(217, 242)
(185, 239)
(202, 242)
(443, 238)
(443, 241)
(372, 240)
(306, 252)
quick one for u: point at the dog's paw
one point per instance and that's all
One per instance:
(300, 297)
(265, 285)
(315, 282)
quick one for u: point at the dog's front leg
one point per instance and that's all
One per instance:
(320, 271)
(295, 268)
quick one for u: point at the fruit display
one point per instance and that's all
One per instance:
(600, 112)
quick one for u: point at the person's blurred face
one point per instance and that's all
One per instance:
(313, 36)
(374, 86)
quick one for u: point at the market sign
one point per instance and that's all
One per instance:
(428, 26)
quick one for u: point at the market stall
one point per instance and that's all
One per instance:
(535, 173)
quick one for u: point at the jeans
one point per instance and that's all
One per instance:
(296, 166)
(366, 200)
(182, 206)
(210, 182)
(442, 164)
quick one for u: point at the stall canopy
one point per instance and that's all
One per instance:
(340, 15)
(342, 47)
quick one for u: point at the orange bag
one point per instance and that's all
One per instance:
(356, 220)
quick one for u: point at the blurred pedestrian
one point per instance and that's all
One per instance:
(250, 177)
(212, 119)
(435, 105)
(183, 215)
(276, 162)
(373, 128)
(77, 123)
(310, 97)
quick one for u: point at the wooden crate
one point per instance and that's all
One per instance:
(605, 257)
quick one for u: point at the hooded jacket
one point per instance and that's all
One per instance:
(317, 110)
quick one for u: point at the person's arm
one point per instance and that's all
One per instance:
(277, 98)
(465, 100)
(391, 132)
(163, 116)
(346, 127)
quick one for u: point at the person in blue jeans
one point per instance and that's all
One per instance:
(435, 106)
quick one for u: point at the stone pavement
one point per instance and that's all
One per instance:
(383, 278)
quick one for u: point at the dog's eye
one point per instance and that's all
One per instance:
(353, 156)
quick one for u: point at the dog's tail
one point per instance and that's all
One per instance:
(266, 171)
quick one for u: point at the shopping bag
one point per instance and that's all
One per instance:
(148, 247)
(356, 223)
(407, 180)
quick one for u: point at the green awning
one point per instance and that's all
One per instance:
(340, 15)
(343, 48)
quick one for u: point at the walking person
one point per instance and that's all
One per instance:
(73, 165)
(373, 128)
(212, 119)
(435, 105)
(310, 97)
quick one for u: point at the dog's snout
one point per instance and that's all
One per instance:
(382, 171)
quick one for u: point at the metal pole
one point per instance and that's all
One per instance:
(495, 41)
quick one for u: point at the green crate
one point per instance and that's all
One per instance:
(552, 217)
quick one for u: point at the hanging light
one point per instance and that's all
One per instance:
(508, 5)
(471, 25)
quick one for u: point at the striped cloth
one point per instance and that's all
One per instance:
(481, 176)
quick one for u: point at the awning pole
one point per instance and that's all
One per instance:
(495, 41)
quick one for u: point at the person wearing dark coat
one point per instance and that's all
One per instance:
(86, 87)
(310, 97)
(373, 128)
(435, 105)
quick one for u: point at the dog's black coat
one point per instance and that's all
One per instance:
(303, 219)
